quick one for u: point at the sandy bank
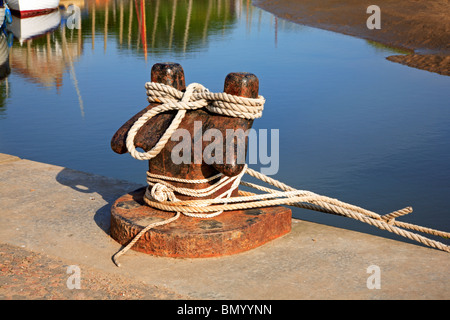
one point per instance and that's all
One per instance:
(422, 27)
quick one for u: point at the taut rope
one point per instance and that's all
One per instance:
(160, 193)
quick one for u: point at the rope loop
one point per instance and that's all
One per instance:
(196, 96)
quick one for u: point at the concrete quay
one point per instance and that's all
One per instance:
(53, 218)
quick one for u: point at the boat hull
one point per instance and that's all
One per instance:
(27, 28)
(31, 8)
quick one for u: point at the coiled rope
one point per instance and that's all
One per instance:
(160, 193)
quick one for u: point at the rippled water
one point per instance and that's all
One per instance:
(352, 125)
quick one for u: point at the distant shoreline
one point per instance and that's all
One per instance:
(421, 27)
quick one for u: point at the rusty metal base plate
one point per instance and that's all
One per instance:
(229, 233)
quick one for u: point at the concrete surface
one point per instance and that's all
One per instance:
(53, 217)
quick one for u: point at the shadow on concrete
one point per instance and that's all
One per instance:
(108, 188)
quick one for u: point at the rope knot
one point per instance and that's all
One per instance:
(162, 193)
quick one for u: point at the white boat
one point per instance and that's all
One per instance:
(30, 8)
(27, 28)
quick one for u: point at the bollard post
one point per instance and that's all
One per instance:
(228, 233)
(167, 73)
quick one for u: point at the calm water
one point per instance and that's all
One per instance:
(353, 125)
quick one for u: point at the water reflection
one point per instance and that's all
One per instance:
(157, 25)
(42, 52)
(45, 46)
(5, 70)
(42, 49)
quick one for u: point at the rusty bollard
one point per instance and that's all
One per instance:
(228, 233)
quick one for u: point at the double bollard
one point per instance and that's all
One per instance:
(190, 237)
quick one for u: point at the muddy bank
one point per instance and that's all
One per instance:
(422, 27)
(434, 63)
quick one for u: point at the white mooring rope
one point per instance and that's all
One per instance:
(160, 193)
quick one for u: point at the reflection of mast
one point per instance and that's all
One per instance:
(139, 24)
(188, 21)
(72, 70)
(225, 17)
(142, 27)
(144, 30)
(130, 18)
(239, 9)
(247, 9)
(120, 22)
(29, 63)
(259, 20)
(106, 26)
(249, 16)
(276, 31)
(93, 25)
(114, 11)
(155, 23)
(208, 15)
(7, 88)
(49, 47)
(174, 12)
(80, 38)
